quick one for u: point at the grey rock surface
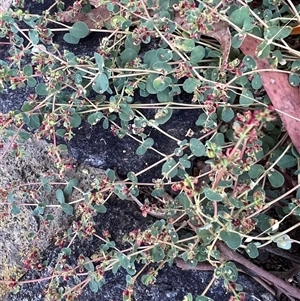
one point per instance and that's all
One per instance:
(20, 184)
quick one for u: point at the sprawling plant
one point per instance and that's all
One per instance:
(237, 199)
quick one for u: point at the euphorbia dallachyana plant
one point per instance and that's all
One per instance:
(243, 195)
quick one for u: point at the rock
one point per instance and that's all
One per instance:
(22, 230)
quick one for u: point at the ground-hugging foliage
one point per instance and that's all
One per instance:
(247, 160)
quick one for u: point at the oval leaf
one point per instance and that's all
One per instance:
(212, 195)
(276, 178)
(233, 240)
(79, 30)
(197, 147)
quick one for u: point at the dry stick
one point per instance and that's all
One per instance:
(281, 253)
(229, 254)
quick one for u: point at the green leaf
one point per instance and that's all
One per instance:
(93, 285)
(197, 147)
(117, 21)
(212, 195)
(69, 188)
(249, 61)
(148, 279)
(34, 122)
(88, 264)
(148, 142)
(283, 242)
(131, 269)
(161, 83)
(86, 8)
(190, 84)
(66, 251)
(246, 99)
(296, 65)
(75, 120)
(197, 55)
(164, 96)
(141, 150)
(218, 139)
(276, 178)
(105, 124)
(226, 184)
(252, 250)
(163, 115)
(184, 161)
(60, 196)
(164, 55)
(100, 84)
(62, 147)
(99, 61)
(27, 70)
(183, 200)
(256, 82)
(31, 82)
(70, 39)
(237, 40)
(277, 32)
(287, 161)
(94, 118)
(294, 79)
(157, 253)
(227, 114)
(24, 135)
(125, 113)
(169, 168)
(233, 240)
(128, 55)
(162, 66)
(129, 43)
(188, 297)
(235, 202)
(68, 209)
(115, 267)
(186, 45)
(79, 30)
(100, 208)
(14, 209)
(255, 171)
(41, 89)
(34, 36)
(111, 175)
(230, 272)
(238, 16)
(124, 260)
(263, 50)
(131, 175)
(205, 235)
(248, 24)
(174, 236)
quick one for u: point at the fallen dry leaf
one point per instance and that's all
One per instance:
(94, 19)
(220, 32)
(5, 5)
(295, 30)
(285, 98)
